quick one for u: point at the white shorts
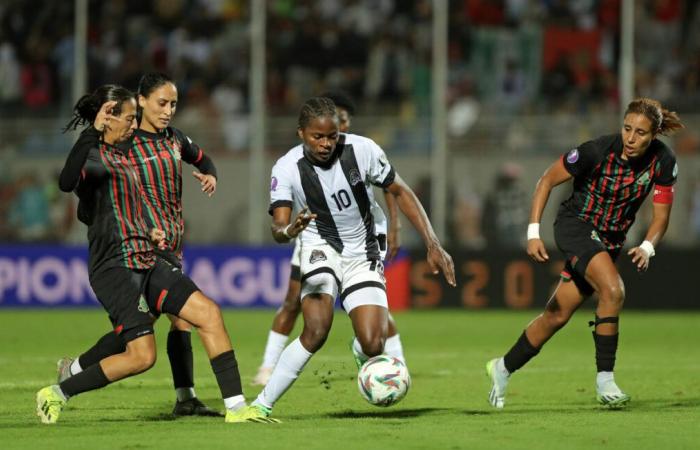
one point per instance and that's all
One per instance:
(296, 256)
(358, 281)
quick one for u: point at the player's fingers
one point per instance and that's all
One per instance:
(197, 175)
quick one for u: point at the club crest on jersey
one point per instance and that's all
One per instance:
(316, 256)
(273, 184)
(355, 177)
(572, 156)
(644, 179)
(595, 237)
(143, 306)
(177, 150)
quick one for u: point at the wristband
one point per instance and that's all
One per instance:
(285, 231)
(533, 231)
(648, 248)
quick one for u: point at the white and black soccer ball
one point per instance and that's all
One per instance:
(383, 380)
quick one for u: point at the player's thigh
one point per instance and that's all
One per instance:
(603, 275)
(363, 283)
(566, 299)
(369, 322)
(179, 324)
(168, 289)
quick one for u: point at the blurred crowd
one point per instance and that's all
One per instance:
(507, 54)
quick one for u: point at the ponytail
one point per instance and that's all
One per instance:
(86, 109)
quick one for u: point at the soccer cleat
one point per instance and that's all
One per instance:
(609, 394)
(193, 407)
(359, 359)
(251, 413)
(49, 403)
(263, 376)
(63, 369)
(499, 380)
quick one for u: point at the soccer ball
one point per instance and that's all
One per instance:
(383, 380)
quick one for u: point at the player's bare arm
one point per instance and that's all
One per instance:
(438, 258)
(283, 229)
(555, 175)
(659, 223)
(394, 232)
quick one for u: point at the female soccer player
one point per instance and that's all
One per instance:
(130, 281)
(157, 151)
(287, 314)
(612, 176)
(326, 178)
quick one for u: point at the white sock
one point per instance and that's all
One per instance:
(393, 347)
(602, 378)
(273, 348)
(234, 403)
(358, 349)
(500, 365)
(75, 368)
(184, 394)
(288, 368)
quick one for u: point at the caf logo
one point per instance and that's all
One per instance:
(143, 306)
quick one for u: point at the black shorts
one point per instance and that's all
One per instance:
(120, 291)
(580, 242)
(169, 256)
(167, 288)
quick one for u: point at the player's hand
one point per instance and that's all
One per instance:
(158, 238)
(393, 241)
(440, 261)
(639, 257)
(301, 221)
(208, 182)
(536, 250)
(104, 115)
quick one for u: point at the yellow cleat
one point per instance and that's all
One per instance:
(250, 413)
(49, 403)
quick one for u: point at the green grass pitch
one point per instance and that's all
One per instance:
(550, 404)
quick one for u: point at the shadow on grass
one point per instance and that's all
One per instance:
(384, 413)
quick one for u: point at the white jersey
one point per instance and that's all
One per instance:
(340, 195)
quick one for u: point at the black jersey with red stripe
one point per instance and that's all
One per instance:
(608, 190)
(158, 159)
(111, 205)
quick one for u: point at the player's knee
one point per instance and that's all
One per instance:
(557, 319)
(292, 305)
(372, 345)
(208, 314)
(142, 359)
(613, 294)
(314, 336)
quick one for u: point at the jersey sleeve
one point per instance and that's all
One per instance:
(193, 154)
(380, 172)
(280, 186)
(74, 169)
(581, 161)
(667, 173)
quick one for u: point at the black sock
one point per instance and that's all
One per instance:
(225, 368)
(605, 350)
(89, 379)
(180, 356)
(108, 345)
(519, 354)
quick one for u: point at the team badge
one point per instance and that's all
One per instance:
(644, 179)
(355, 177)
(143, 306)
(273, 184)
(572, 156)
(177, 150)
(316, 256)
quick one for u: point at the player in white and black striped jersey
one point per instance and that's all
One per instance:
(327, 178)
(389, 243)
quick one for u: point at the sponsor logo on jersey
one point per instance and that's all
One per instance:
(316, 256)
(355, 177)
(143, 306)
(572, 156)
(273, 184)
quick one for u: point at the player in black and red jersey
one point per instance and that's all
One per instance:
(157, 151)
(612, 175)
(129, 280)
